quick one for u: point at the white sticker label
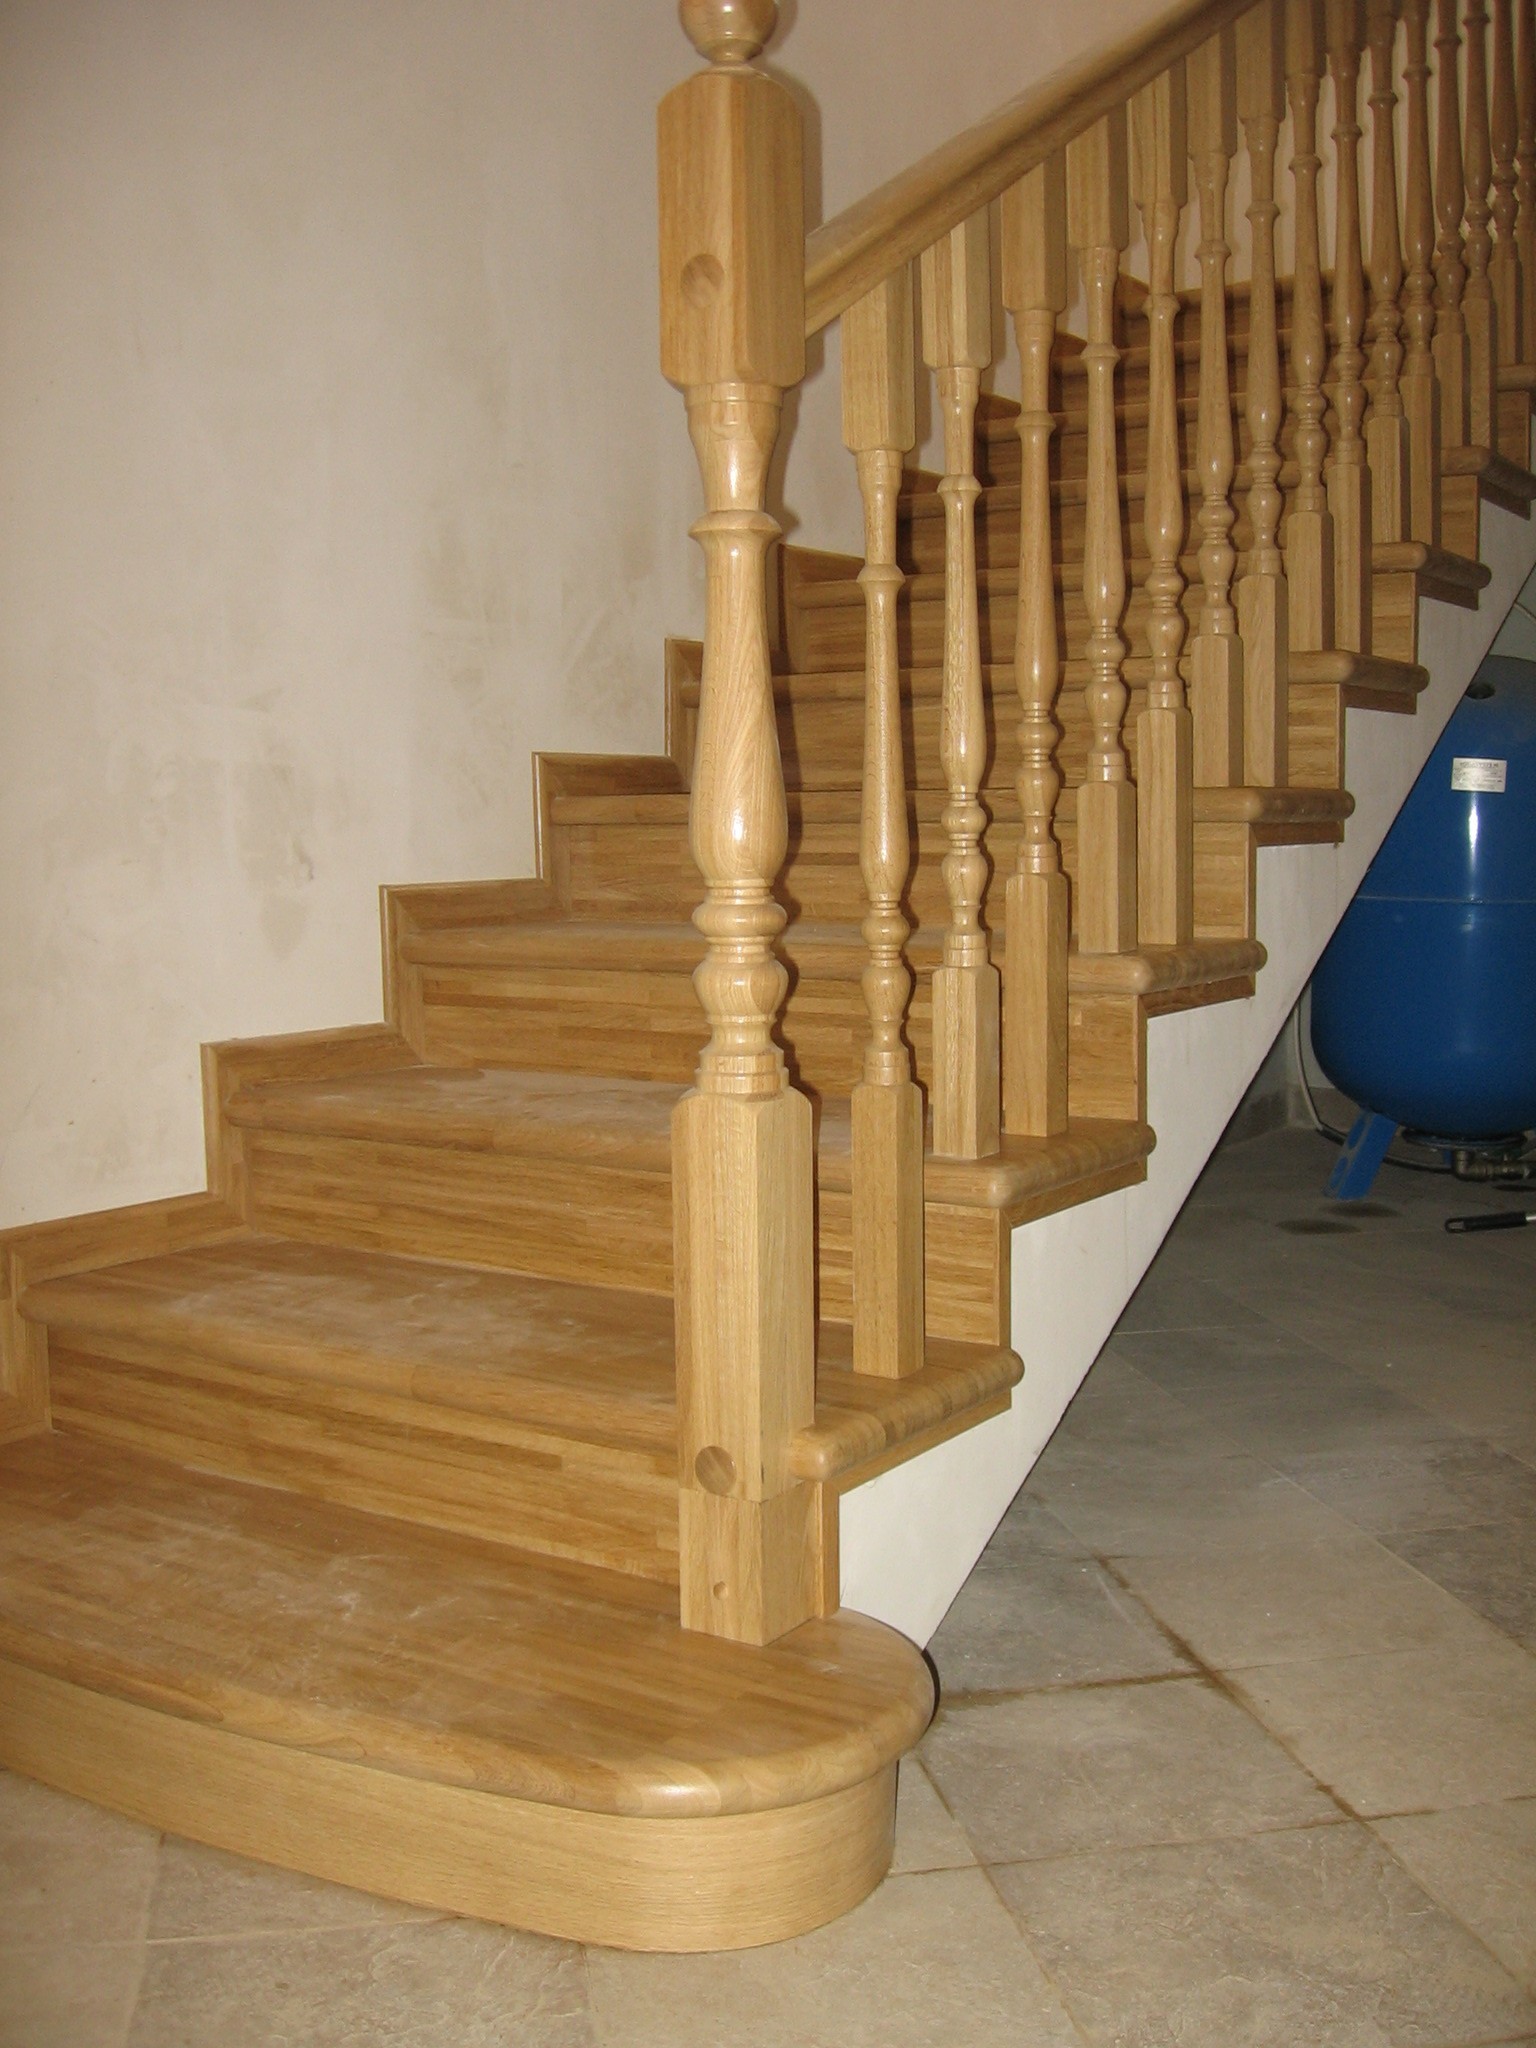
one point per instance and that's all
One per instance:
(1467, 772)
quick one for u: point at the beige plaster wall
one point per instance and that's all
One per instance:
(336, 475)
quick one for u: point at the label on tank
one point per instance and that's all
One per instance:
(1470, 772)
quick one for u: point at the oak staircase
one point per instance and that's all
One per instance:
(447, 1500)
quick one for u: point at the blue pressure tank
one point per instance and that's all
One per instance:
(1424, 1005)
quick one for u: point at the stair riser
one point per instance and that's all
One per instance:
(822, 878)
(577, 1223)
(408, 1458)
(629, 1021)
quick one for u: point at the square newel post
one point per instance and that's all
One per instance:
(733, 336)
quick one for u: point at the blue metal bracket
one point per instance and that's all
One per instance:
(1364, 1149)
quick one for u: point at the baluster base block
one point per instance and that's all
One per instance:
(1349, 501)
(1421, 410)
(1386, 443)
(1263, 618)
(1453, 371)
(1216, 701)
(742, 1177)
(1106, 867)
(1309, 574)
(1035, 1006)
(887, 1229)
(967, 1003)
(1165, 821)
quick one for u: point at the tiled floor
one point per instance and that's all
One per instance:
(1237, 1750)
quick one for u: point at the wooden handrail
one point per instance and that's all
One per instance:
(851, 253)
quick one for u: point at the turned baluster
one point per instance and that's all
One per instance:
(1505, 272)
(957, 346)
(1098, 228)
(1216, 652)
(1421, 381)
(733, 336)
(887, 1109)
(1309, 529)
(1525, 175)
(1035, 971)
(1348, 472)
(1386, 431)
(1482, 320)
(1263, 598)
(1165, 730)
(1451, 352)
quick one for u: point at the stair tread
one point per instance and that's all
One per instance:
(502, 1110)
(586, 1363)
(1242, 804)
(667, 945)
(437, 1656)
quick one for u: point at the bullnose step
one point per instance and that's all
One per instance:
(441, 1720)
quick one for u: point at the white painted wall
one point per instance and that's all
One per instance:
(338, 476)
(910, 1538)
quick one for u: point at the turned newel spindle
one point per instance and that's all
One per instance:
(1216, 654)
(1421, 381)
(1482, 320)
(1164, 731)
(1525, 174)
(1309, 529)
(1386, 430)
(1508, 296)
(1348, 472)
(1034, 226)
(733, 336)
(1098, 228)
(887, 1109)
(1263, 597)
(1451, 351)
(967, 994)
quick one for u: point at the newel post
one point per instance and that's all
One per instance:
(733, 336)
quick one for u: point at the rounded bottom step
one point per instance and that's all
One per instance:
(719, 1881)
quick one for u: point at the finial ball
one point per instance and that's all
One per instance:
(728, 31)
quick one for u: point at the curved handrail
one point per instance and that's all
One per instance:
(850, 254)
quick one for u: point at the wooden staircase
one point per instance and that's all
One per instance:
(447, 1501)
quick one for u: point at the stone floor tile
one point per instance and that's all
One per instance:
(1480, 1863)
(1029, 1530)
(1020, 1623)
(1176, 1499)
(1257, 1359)
(1491, 1569)
(68, 1871)
(1452, 1483)
(202, 1892)
(448, 1981)
(927, 1835)
(1287, 1422)
(1047, 1773)
(69, 1994)
(1308, 1939)
(1341, 1597)
(928, 1960)
(1411, 1732)
(1171, 1300)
